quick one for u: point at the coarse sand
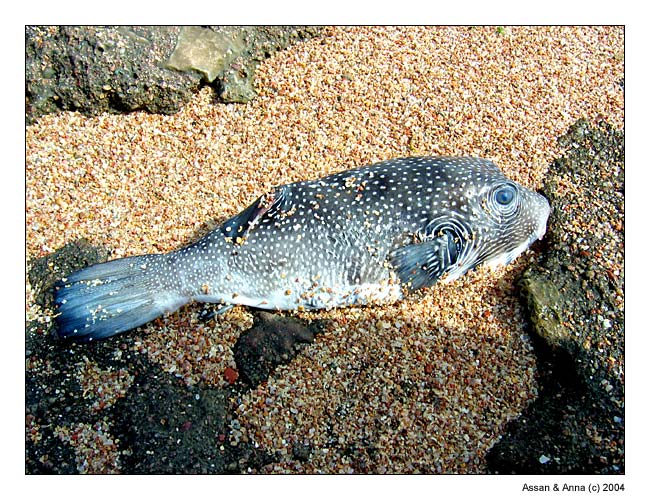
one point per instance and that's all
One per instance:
(424, 385)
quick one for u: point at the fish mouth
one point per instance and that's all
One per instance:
(546, 210)
(539, 234)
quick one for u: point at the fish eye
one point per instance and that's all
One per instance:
(505, 194)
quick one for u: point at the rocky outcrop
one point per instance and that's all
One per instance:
(116, 69)
(575, 297)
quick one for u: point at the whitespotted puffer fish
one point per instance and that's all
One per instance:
(364, 236)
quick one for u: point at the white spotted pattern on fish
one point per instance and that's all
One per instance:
(361, 236)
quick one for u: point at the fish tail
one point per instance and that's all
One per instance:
(105, 299)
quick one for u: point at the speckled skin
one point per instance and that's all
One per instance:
(357, 237)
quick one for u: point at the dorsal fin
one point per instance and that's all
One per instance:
(241, 224)
(421, 264)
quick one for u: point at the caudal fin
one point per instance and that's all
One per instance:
(116, 296)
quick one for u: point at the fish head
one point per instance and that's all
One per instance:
(500, 220)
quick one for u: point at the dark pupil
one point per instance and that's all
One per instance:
(504, 195)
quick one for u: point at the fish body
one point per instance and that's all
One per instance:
(362, 236)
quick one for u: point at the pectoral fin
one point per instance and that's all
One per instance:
(421, 264)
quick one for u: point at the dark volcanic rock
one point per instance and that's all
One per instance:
(575, 299)
(272, 341)
(94, 69)
(166, 427)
